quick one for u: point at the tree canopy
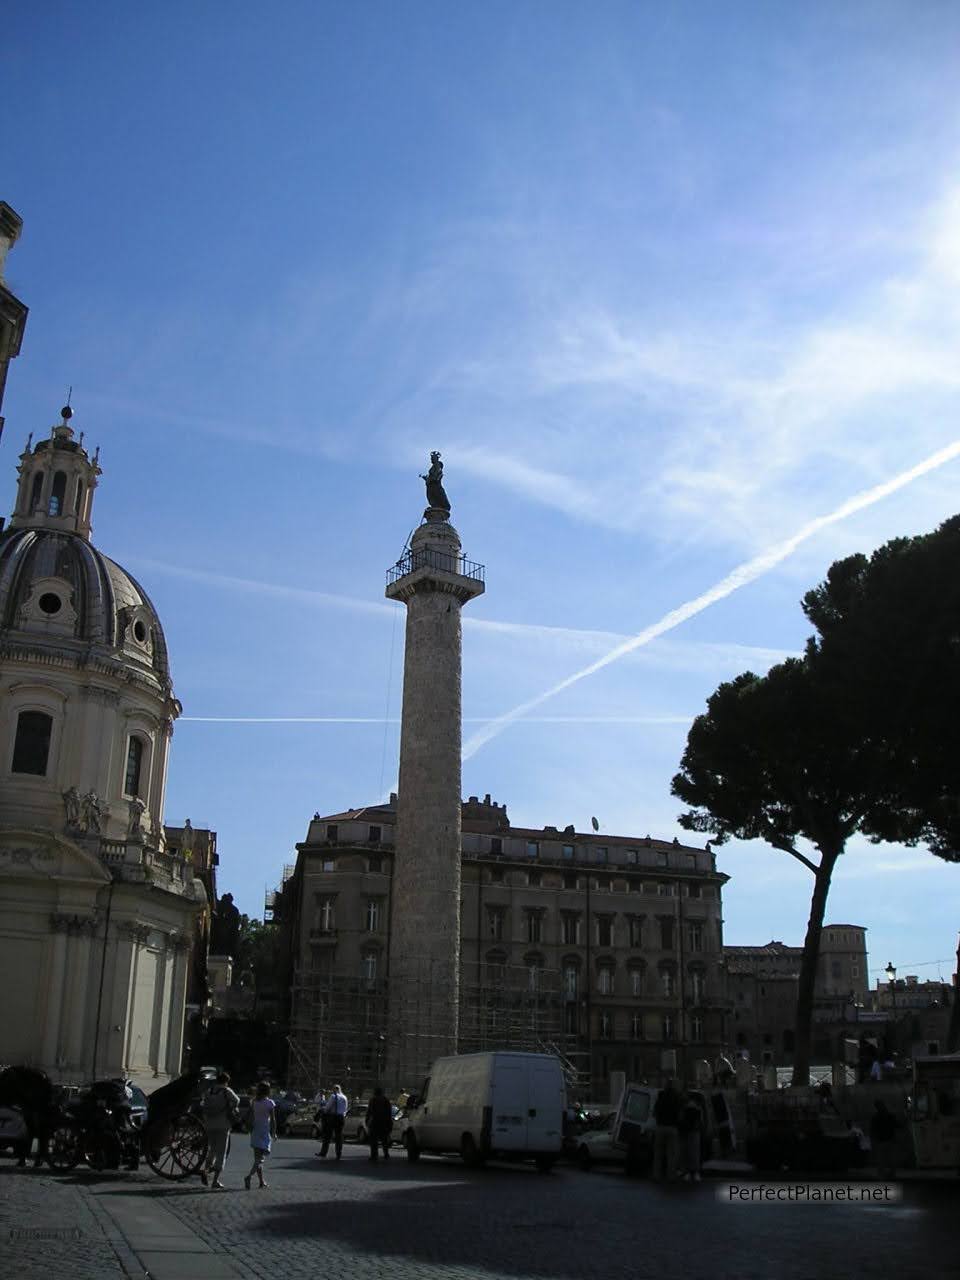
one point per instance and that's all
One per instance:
(860, 734)
(774, 758)
(888, 631)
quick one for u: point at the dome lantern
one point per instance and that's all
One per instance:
(57, 480)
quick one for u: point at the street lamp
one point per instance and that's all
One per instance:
(891, 973)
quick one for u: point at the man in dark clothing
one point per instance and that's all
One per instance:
(379, 1123)
(666, 1135)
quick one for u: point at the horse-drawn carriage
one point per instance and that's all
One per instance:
(98, 1126)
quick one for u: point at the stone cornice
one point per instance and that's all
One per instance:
(14, 650)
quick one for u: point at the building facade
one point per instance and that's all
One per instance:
(607, 949)
(762, 985)
(98, 916)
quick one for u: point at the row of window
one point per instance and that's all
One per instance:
(639, 983)
(370, 969)
(665, 935)
(325, 915)
(599, 854)
(31, 750)
(570, 880)
(637, 1028)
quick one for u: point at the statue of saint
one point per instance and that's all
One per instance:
(434, 478)
(92, 816)
(225, 929)
(71, 808)
(135, 827)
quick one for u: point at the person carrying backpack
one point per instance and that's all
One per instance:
(219, 1112)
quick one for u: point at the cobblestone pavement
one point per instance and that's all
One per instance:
(49, 1229)
(439, 1221)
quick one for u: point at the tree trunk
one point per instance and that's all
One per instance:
(808, 968)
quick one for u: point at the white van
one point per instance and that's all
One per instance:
(490, 1104)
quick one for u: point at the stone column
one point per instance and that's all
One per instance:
(80, 1001)
(56, 981)
(425, 916)
(176, 1005)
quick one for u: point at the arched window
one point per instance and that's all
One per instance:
(369, 969)
(79, 501)
(131, 782)
(35, 491)
(58, 493)
(31, 748)
(605, 980)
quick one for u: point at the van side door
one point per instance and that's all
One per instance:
(510, 1100)
(546, 1100)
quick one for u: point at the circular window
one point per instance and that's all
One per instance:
(49, 603)
(140, 631)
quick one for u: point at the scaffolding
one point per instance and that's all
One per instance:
(359, 1033)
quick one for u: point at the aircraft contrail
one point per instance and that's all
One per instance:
(745, 573)
(661, 719)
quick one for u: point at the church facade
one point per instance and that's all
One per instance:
(98, 916)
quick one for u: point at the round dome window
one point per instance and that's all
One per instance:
(49, 603)
(140, 631)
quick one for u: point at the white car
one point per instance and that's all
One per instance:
(301, 1124)
(596, 1147)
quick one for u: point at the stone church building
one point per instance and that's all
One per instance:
(97, 915)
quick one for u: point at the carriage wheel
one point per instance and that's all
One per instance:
(65, 1147)
(177, 1148)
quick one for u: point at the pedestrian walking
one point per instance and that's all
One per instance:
(219, 1112)
(379, 1123)
(666, 1134)
(691, 1137)
(263, 1131)
(333, 1117)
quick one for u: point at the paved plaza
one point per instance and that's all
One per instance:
(439, 1221)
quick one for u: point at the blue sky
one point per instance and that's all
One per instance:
(665, 283)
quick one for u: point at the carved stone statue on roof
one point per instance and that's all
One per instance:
(434, 481)
(225, 928)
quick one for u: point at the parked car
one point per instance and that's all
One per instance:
(355, 1123)
(301, 1123)
(596, 1147)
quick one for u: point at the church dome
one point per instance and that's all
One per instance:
(58, 593)
(57, 588)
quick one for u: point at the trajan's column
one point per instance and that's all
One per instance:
(434, 581)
